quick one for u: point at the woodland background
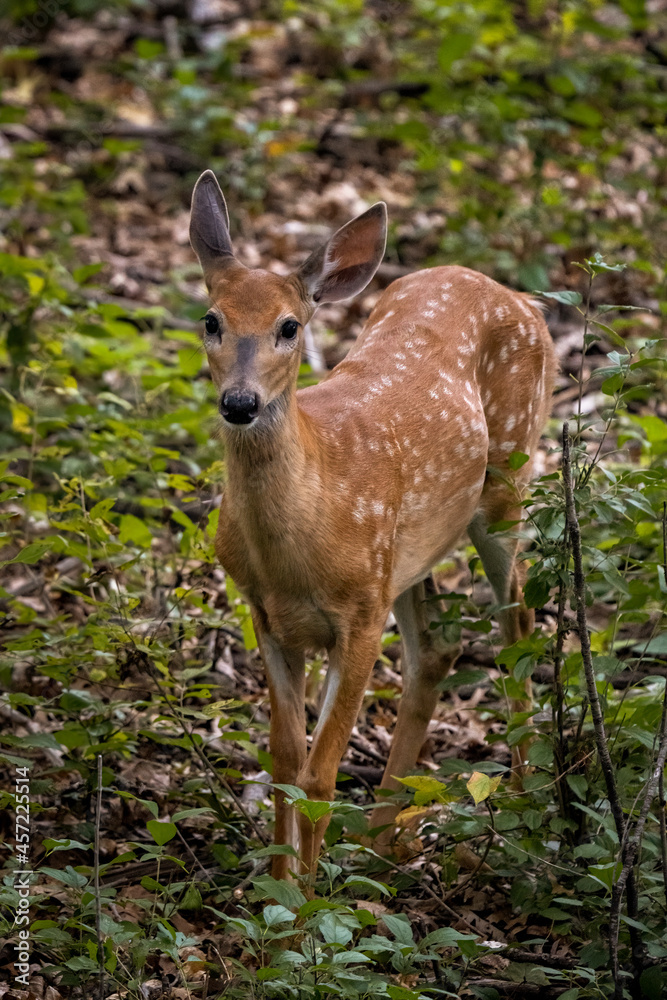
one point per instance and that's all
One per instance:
(524, 139)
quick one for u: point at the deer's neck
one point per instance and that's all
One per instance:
(269, 467)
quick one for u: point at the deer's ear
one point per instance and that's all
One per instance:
(345, 265)
(209, 225)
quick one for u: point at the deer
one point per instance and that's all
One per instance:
(342, 496)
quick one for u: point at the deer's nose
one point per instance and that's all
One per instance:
(238, 406)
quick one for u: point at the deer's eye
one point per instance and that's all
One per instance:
(212, 325)
(289, 329)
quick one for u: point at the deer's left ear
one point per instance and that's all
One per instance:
(343, 266)
(209, 225)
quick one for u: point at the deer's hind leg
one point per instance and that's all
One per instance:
(498, 554)
(425, 662)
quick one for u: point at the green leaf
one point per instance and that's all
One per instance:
(369, 883)
(71, 878)
(517, 459)
(135, 531)
(613, 384)
(398, 924)
(454, 47)
(31, 554)
(314, 809)
(293, 792)
(583, 114)
(285, 893)
(277, 915)
(540, 754)
(654, 428)
(536, 592)
(461, 678)
(481, 786)
(501, 526)
(446, 937)
(579, 785)
(606, 874)
(425, 787)
(161, 833)
(189, 361)
(566, 298)
(79, 963)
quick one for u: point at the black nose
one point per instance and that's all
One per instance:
(239, 406)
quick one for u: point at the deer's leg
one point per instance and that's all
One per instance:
(350, 663)
(425, 661)
(285, 671)
(498, 555)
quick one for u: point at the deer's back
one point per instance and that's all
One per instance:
(452, 373)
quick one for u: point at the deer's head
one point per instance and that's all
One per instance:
(253, 330)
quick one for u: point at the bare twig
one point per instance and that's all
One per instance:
(455, 890)
(589, 672)
(661, 780)
(585, 642)
(559, 755)
(98, 897)
(587, 319)
(633, 843)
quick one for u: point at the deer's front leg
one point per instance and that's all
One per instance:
(350, 663)
(285, 671)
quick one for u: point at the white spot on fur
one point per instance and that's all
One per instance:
(359, 509)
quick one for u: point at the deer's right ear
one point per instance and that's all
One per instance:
(209, 225)
(342, 267)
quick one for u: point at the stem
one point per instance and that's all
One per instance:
(587, 314)
(96, 863)
(661, 780)
(634, 840)
(589, 671)
(559, 748)
(585, 642)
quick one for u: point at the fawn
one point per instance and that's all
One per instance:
(342, 496)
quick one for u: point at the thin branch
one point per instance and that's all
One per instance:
(584, 346)
(98, 898)
(589, 672)
(634, 840)
(585, 642)
(662, 804)
(559, 755)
